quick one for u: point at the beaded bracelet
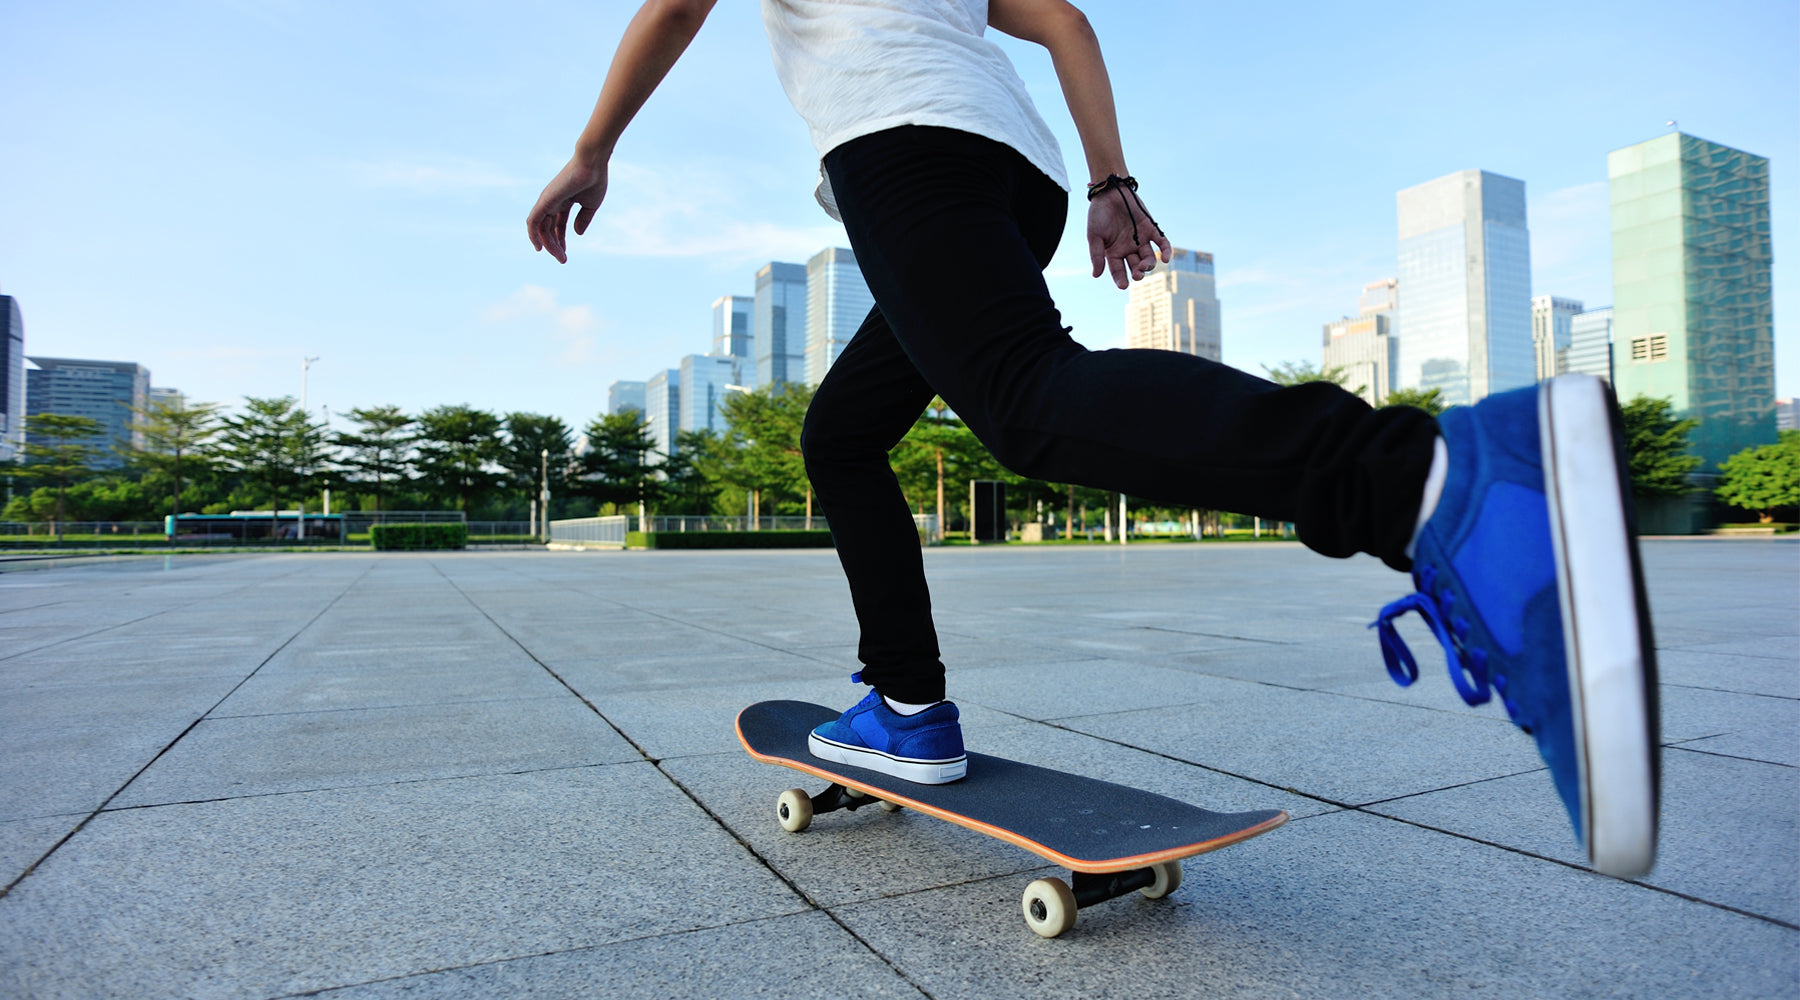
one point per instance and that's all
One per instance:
(1114, 182)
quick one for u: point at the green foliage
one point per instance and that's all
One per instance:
(458, 448)
(618, 469)
(1429, 400)
(688, 485)
(175, 438)
(940, 452)
(1656, 448)
(274, 448)
(728, 540)
(1763, 479)
(1300, 372)
(57, 450)
(536, 445)
(761, 447)
(414, 537)
(377, 456)
(105, 499)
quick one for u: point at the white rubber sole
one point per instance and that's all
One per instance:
(922, 772)
(1606, 631)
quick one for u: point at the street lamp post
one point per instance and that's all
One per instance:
(300, 523)
(544, 492)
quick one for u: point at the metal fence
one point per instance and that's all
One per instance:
(598, 532)
(611, 531)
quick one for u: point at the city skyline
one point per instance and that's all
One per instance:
(384, 229)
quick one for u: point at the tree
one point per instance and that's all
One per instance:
(57, 451)
(175, 436)
(938, 451)
(617, 469)
(761, 447)
(1762, 479)
(528, 437)
(1656, 448)
(687, 486)
(1299, 372)
(379, 453)
(458, 449)
(1429, 400)
(275, 449)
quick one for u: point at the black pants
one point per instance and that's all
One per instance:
(952, 232)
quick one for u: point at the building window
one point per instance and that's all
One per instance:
(1652, 348)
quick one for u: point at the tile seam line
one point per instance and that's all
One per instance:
(719, 821)
(1348, 807)
(10, 886)
(134, 621)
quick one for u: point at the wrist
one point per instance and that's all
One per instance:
(592, 152)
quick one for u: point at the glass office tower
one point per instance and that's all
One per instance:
(731, 326)
(705, 380)
(662, 409)
(1693, 319)
(106, 391)
(625, 395)
(12, 379)
(1590, 344)
(1465, 287)
(1176, 307)
(837, 302)
(780, 324)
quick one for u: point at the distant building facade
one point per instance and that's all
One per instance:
(662, 408)
(12, 378)
(1590, 344)
(732, 318)
(705, 381)
(1550, 319)
(779, 324)
(1364, 346)
(622, 396)
(1693, 311)
(1784, 415)
(105, 391)
(837, 302)
(1465, 276)
(1176, 307)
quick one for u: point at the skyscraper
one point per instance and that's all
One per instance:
(837, 301)
(662, 409)
(1465, 276)
(106, 391)
(705, 381)
(1364, 345)
(731, 315)
(780, 323)
(622, 396)
(1550, 318)
(12, 378)
(1692, 310)
(1175, 309)
(1590, 344)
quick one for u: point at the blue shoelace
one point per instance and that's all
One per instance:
(1468, 666)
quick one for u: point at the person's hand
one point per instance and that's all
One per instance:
(579, 183)
(1111, 245)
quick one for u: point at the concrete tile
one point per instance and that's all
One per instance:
(295, 893)
(1728, 672)
(1739, 725)
(24, 841)
(363, 679)
(1340, 905)
(804, 955)
(1096, 686)
(1337, 748)
(1717, 812)
(261, 755)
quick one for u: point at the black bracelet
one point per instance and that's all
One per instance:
(1114, 182)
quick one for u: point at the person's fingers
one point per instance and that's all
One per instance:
(1162, 243)
(1119, 274)
(1097, 253)
(585, 216)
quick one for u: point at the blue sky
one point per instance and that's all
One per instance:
(217, 189)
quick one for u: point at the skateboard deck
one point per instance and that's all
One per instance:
(1114, 838)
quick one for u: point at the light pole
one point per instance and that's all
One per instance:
(300, 524)
(544, 491)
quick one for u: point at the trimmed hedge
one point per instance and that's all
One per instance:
(728, 540)
(412, 537)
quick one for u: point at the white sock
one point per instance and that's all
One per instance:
(1434, 489)
(902, 708)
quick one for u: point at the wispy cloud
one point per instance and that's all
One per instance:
(695, 212)
(569, 329)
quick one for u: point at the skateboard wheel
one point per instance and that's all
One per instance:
(1168, 879)
(1049, 906)
(890, 807)
(794, 810)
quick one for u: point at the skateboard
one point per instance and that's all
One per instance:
(1113, 839)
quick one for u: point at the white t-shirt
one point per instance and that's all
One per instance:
(854, 67)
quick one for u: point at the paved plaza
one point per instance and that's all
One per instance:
(513, 774)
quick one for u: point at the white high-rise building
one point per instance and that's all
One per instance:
(12, 379)
(662, 408)
(705, 381)
(1364, 346)
(837, 302)
(1590, 344)
(1175, 308)
(779, 324)
(732, 323)
(1550, 319)
(1465, 268)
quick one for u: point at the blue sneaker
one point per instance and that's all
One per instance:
(1528, 574)
(926, 747)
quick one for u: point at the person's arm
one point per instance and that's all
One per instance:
(656, 37)
(1075, 52)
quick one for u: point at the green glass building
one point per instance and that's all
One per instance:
(1692, 311)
